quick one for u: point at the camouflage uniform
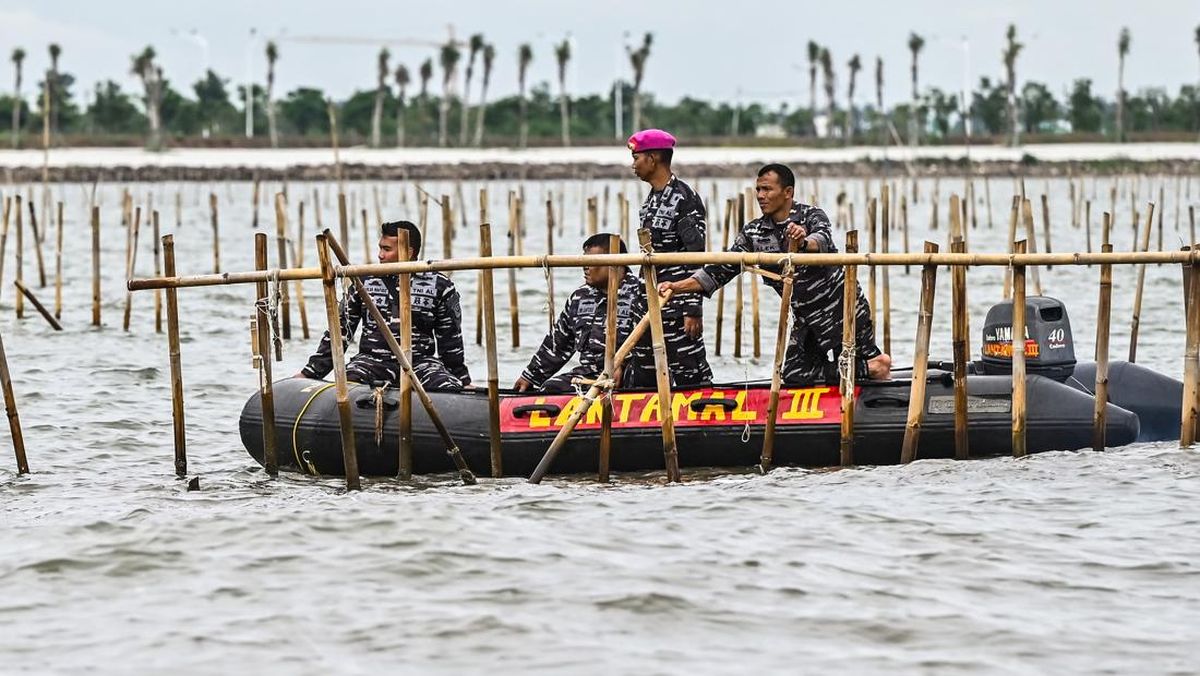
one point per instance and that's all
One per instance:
(580, 328)
(817, 298)
(436, 332)
(675, 218)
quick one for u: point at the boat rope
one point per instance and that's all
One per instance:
(845, 363)
(745, 396)
(305, 465)
(378, 395)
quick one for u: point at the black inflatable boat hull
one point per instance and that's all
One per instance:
(720, 426)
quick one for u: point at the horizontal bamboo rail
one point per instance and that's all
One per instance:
(683, 258)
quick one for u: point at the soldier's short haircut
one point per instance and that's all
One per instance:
(600, 241)
(414, 233)
(664, 155)
(786, 178)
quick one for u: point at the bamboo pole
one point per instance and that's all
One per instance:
(987, 196)
(96, 266)
(174, 356)
(755, 324)
(662, 376)
(849, 307)
(1012, 238)
(285, 306)
(885, 273)
(593, 225)
(10, 410)
(721, 291)
(483, 218)
(447, 227)
(214, 219)
(298, 260)
(493, 369)
(366, 226)
(960, 327)
(1137, 297)
(1191, 358)
(610, 349)
(263, 336)
(872, 247)
(1161, 202)
(345, 418)
(916, 394)
(1103, 318)
(254, 203)
(157, 272)
(1087, 224)
(1031, 243)
(589, 397)
(58, 278)
(19, 301)
(1018, 356)
(343, 219)
(405, 459)
(781, 342)
(1046, 223)
(738, 310)
(131, 264)
(1191, 225)
(550, 313)
(8, 202)
(37, 304)
(37, 245)
(514, 312)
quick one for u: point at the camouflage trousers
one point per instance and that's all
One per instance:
(815, 342)
(687, 361)
(430, 372)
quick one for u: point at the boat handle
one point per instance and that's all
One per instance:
(524, 410)
(886, 402)
(699, 405)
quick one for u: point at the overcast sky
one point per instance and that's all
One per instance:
(704, 48)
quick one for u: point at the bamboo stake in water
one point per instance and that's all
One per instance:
(1012, 239)
(1103, 318)
(514, 233)
(1046, 225)
(1137, 298)
(216, 242)
(131, 264)
(916, 393)
(721, 291)
(366, 226)
(8, 202)
(493, 369)
(157, 272)
(904, 225)
(345, 418)
(266, 383)
(738, 310)
(872, 247)
(37, 246)
(37, 305)
(174, 355)
(10, 410)
(662, 376)
(483, 218)
(885, 277)
(95, 266)
(610, 349)
(343, 219)
(550, 314)
(254, 204)
(782, 333)
(960, 329)
(849, 350)
(1087, 224)
(1191, 226)
(405, 461)
(1031, 243)
(447, 227)
(58, 244)
(1191, 358)
(1018, 355)
(285, 306)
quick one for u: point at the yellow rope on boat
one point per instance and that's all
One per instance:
(296, 427)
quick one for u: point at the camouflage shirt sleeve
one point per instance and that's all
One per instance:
(448, 330)
(321, 363)
(713, 277)
(816, 223)
(557, 347)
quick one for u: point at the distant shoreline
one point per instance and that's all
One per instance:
(194, 164)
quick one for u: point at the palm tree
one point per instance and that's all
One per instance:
(827, 69)
(18, 59)
(448, 59)
(52, 83)
(402, 81)
(915, 44)
(562, 52)
(381, 88)
(1011, 51)
(151, 77)
(1122, 52)
(855, 65)
(879, 99)
(272, 57)
(426, 74)
(814, 55)
(489, 58)
(524, 57)
(475, 45)
(637, 59)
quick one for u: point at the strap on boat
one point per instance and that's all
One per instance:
(304, 464)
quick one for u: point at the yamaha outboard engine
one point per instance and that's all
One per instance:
(1049, 347)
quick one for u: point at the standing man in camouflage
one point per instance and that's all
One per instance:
(437, 344)
(674, 214)
(818, 295)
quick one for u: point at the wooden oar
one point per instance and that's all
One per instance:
(560, 439)
(452, 450)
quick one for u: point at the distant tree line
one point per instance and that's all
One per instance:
(392, 114)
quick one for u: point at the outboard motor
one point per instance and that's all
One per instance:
(1049, 347)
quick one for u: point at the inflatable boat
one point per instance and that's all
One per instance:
(722, 425)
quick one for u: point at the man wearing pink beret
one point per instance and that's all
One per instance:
(674, 214)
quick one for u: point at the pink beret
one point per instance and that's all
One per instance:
(651, 139)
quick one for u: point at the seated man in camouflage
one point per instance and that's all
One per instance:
(581, 328)
(437, 344)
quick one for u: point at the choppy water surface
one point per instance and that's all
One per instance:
(1067, 561)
